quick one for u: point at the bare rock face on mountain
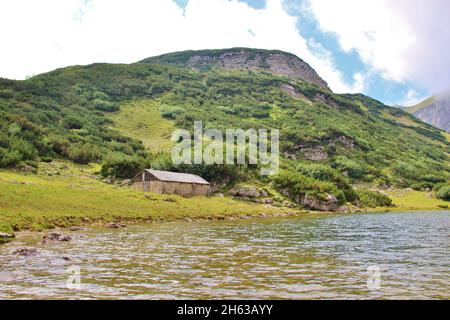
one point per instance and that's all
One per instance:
(273, 61)
(435, 111)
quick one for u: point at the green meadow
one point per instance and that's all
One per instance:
(62, 195)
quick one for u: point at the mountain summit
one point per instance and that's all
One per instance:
(277, 62)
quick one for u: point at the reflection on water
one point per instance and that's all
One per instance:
(311, 257)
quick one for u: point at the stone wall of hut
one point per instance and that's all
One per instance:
(182, 189)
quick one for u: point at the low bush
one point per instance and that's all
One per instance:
(350, 167)
(373, 199)
(297, 184)
(106, 106)
(422, 186)
(444, 193)
(9, 158)
(84, 154)
(171, 112)
(433, 179)
(121, 166)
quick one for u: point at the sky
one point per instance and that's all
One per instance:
(393, 50)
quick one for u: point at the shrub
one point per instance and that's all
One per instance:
(171, 112)
(444, 193)
(433, 179)
(373, 199)
(298, 184)
(60, 145)
(26, 150)
(422, 186)
(84, 154)
(6, 93)
(226, 110)
(404, 170)
(327, 174)
(260, 114)
(121, 166)
(9, 158)
(104, 105)
(73, 122)
(353, 169)
(437, 186)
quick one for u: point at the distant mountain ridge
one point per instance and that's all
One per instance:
(434, 110)
(274, 61)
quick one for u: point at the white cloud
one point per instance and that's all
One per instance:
(43, 35)
(405, 40)
(411, 98)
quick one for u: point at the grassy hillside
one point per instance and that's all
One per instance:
(405, 200)
(121, 116)
(141, 119)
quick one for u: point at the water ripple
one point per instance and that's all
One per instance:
(323, 257)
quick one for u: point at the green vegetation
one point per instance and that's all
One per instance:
(373, 199)
(443, 192)
(141, 120)
(121, 116)
(405, 200)
(62, 195)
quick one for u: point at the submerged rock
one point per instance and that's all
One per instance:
(54, 237)
(6, 236)
(343, 209)
(115, 225)
(26, 252)
(75, 228)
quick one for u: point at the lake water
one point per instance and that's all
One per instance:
(319, 257)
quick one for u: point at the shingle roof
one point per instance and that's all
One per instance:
(177, 177)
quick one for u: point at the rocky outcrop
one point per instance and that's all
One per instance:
(277, 62)
(248, 192)
(290, 90)
(331, 203)
(252, 194)
(345, 141)
(317, 153)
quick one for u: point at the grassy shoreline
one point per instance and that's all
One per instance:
(63, 195)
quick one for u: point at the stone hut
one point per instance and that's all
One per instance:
(165, 182)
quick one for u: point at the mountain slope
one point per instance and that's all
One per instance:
(329, 142)
(434, 110)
